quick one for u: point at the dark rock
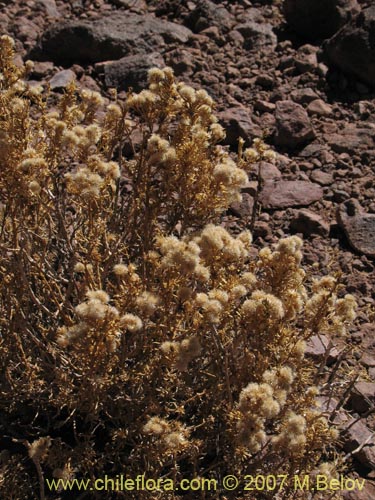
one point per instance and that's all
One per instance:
(293, 126)
(286, 63)
(107, 38)
(316, 19)
(238, 123)
(352, 49)
(358, 227)
(362, 398)
(283, 194)
(208, 14)
(131, 71)
(251, 187)
(309, 223)
(340, 195)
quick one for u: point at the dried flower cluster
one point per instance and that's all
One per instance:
(135, 333)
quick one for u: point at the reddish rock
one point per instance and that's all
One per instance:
(304, 96)
(264, 106)
(262, 230)
(89, 83)
(208, 14)
(41, 69)
(322, 178)
(27, 31)
(184, 61)
(355, 436)
(269, 172)
(250, 187)
(351, 139)
(316, 348)
(306, 59)
(265, 81)
(309, 223)
(367, 335)
(367, 493)
(358, 227)
(238, 123)
(293, 126)
(319, 107)
(257, 35)
(283, 194)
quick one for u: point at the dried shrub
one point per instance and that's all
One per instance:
(136, 334)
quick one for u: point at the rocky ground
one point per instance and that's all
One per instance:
(301, 75)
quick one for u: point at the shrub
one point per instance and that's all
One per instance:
(137, 335)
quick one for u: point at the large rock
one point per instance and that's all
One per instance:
(352, 49)
(293, 126)
(317, 19)
(362, 397)
(110, 37)
(283, 194)
(131, 71)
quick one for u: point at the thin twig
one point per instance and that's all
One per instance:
(359, 448)
(256, 197)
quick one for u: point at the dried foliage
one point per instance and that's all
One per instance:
(137, 335)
